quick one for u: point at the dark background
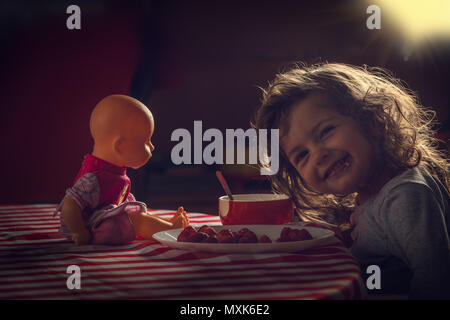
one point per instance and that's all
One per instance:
(186, 60)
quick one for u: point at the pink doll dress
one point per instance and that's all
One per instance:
(102, 191)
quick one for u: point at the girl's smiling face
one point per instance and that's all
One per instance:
(328, 149)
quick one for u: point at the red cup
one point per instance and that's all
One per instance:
(256, 209)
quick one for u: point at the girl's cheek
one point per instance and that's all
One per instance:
(306, 175)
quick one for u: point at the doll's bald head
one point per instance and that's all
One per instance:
(121, 127)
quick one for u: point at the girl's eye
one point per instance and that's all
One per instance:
(300, 156)
(326, 131)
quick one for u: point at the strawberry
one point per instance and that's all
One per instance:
(303, 235)
(284, 235)
(225, 236)
(207, 229)
(264, 239)
(197, 237)
(288, 234)
(210, 239)
(186, 233)
(248, 237)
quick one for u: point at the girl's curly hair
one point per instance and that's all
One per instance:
(387, 111)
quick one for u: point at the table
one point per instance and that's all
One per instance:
(34, 261)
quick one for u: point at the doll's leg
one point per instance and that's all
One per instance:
(179, 212)
(145, 225)
(180, 218)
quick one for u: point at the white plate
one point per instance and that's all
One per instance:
(320, 237)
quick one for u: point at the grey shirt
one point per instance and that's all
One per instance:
(404, 230)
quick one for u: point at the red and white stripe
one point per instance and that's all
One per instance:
(34, 258)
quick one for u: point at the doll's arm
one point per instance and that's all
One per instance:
(71, 214)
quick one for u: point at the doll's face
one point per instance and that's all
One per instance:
(122, 128)
(135, 146)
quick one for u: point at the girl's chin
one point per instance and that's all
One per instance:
(337, 193)
(341, 192)
(343, 187)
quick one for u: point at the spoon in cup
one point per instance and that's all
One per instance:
(224, 184)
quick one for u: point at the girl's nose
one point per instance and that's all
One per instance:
(322, 155)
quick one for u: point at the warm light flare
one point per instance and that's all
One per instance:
(417, 20)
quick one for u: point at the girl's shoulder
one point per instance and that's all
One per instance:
(409, 195)
(414, 180)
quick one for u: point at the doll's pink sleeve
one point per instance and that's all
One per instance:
(130, 197)
(85, 191)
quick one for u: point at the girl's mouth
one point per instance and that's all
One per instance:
(338, 167)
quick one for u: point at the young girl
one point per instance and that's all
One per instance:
(357, 150)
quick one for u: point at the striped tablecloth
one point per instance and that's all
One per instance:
(34, 260)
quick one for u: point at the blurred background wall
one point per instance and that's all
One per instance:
(187, 61)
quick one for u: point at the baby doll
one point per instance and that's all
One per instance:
(99, 207)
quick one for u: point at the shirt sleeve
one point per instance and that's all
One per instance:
(415, 225)
(85, 191)
(130, 197)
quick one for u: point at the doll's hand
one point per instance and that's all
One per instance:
(81, 238)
